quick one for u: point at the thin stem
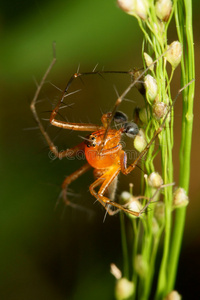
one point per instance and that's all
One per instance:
(124, 246)
(188, 73)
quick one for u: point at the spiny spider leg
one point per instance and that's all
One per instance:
(69, 179)
(77, 126)
(85, 127)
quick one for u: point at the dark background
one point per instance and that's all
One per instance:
(59, 253)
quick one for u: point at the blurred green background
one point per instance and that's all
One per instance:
(59, 253)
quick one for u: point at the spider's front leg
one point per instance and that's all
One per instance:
(58, 123)
(105, 181)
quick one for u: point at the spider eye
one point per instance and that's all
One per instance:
(131, 129)
(120, 117)
(91, 141)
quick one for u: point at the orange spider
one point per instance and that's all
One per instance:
(102, 147)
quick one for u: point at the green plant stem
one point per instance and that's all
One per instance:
(188, 73)
(124, 246)
(136, 229)
(152, 264)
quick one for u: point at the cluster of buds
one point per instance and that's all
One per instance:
(140, 8)
(173, 55)
(132, 203)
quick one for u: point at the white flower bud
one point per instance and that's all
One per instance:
(174, 295)
(132, 202)
(174, 53)
(142, 8)
(115, 271)
(135, 206)
(159, 110)
(180, 199)
(125, 197)
(163, 9)
(124, 289)
(141, 265)
(126, 5)
(155, 180)
(151, 87)
(140, 141)
(138, 8)
(148, 61)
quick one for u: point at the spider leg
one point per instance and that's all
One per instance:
(69, 179)
(150, 200)
(68, 152)
(126, 170)
(62, 124)
(105, 180)
(79, 126)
